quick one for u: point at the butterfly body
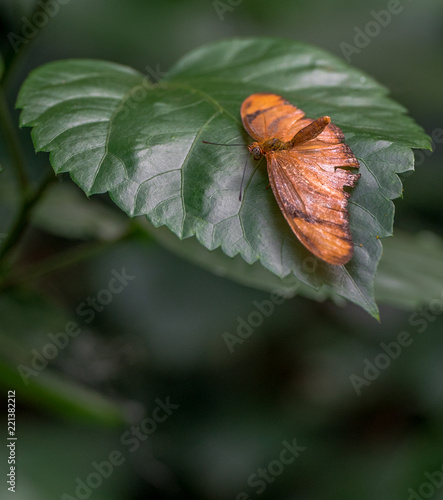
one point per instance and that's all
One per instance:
(306, 134)
(258, 150)
(308, 167)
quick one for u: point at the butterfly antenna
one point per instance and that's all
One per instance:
(219, 144)
(243, 178)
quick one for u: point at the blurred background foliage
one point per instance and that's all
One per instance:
(162, 336)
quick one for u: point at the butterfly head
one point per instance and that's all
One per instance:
(255, 150)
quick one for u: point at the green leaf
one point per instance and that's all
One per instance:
(63, 211)
(115, 132)
(54, 394)
(411, 272)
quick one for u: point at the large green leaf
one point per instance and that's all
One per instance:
(115, 132)
(410, 274)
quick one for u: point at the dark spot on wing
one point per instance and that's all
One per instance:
(252, 116)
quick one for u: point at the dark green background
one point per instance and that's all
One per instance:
(162, 336)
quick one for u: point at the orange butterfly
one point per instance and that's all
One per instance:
(308, 167)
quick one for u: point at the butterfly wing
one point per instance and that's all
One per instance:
(268, 116)
(308, 185)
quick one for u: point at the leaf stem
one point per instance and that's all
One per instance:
(60, 260)
(21, 221)
(12, 143)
